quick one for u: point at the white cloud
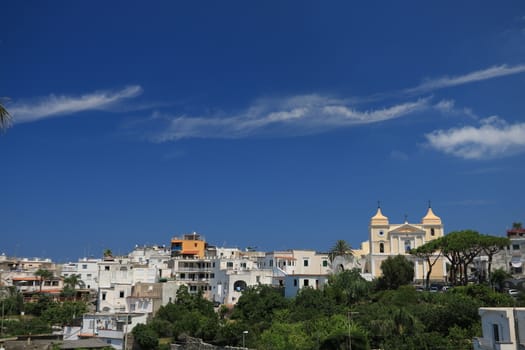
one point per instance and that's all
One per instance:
(51, 106)
(491, 139)
(298, 115)
(484, 74)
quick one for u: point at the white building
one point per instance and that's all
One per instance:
(86, 268)
(112, 328)
(233, 273)
(154, 256)
(503, 329)
(294, 283)
(116, 278)
(295, 269)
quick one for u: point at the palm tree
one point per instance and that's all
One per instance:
(44, 276)
(70, 284)
(5, 118)
(73, 281)
(340, 248)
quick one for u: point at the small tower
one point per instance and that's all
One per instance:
(432, 224)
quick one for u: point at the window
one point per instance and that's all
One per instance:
(432, 232)
(182, 276)
(88, 275)
(121, 294)
(407, 246)
(258, 279)
(84, 266)
(306, 283)
(381, 233)
(229, 264)
(305, 262)
(516, 247)
(106, 268)
(103, 296)
(381, 247)
(295, 282)
(325, 263)
(495, 332)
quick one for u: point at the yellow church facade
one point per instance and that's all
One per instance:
(387, 239)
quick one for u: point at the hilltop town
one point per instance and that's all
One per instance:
(122, 292)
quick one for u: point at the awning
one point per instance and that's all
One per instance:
(516, 262)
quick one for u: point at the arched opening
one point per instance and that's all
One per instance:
(239, 286)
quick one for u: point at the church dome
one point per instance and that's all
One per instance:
(431, 218)
(379, 218)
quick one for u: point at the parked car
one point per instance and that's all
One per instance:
(514, 292)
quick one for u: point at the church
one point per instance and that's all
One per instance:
(387, 239)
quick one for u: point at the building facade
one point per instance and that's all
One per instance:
(388, 239)
(503, 329)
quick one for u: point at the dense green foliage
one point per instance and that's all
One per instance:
(38, 317)
(397, 271)
(349, 313)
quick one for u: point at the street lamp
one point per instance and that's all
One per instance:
(243, 338)
(350, 313)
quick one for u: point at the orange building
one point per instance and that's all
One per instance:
(190, 245)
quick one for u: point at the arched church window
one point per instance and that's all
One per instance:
(432, 232)
(381, 247)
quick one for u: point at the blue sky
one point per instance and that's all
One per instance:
(270, 124)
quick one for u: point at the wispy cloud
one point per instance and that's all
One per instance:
(53, 105)
(493, 138)
(299, 115)
(484, 74)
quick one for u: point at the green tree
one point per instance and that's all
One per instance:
(285, 336)
(70, 284)
(108, 254)
(62, 314)
(460, 248)
(311, 303)
(348, 287)
(397, 271)
(191, 314)
(257, 305)
(430, 253)
(145, 337)
(498, 277)
(340, 248)
(44, 275)
(491, 245)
